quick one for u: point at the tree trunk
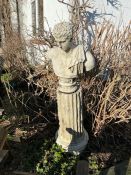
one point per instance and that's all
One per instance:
(6, 18)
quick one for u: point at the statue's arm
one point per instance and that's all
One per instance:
(89, 61)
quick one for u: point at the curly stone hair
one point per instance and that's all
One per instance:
(62, 31)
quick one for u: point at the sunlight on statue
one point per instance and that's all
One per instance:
(69, 62)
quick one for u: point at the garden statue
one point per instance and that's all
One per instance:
(69, 62)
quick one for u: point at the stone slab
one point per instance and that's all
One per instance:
(82, 168)
(123, 168)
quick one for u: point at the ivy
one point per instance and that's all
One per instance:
(56, 161)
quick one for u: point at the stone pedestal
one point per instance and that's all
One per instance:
(71, 134)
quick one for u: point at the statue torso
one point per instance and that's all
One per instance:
(67, 65)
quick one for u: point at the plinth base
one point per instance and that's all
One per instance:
(75, 146)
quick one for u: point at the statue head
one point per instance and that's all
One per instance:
(62, 33)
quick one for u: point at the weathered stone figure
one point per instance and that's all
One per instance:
(69, 61)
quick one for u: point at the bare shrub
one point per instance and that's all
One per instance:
(107, 95)
(14, 53)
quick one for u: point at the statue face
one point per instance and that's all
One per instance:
(65, 45)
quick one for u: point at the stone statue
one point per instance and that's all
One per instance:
(69, 62)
